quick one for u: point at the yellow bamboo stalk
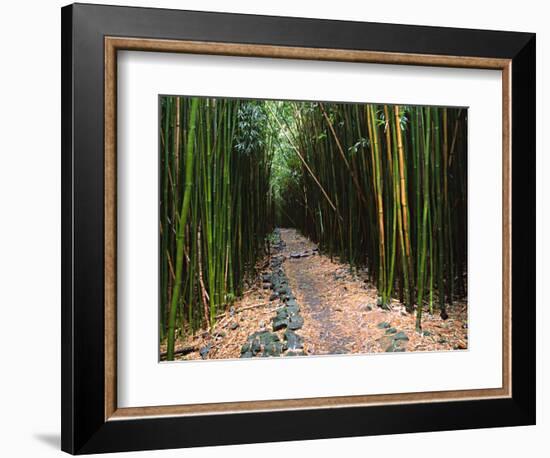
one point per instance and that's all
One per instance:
(404, 203)
(388, 139)
(378, 190)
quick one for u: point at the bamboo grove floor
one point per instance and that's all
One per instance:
(339, 311)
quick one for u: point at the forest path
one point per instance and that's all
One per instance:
(335, 321)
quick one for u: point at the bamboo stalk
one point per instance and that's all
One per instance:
(425, 209)
(181, 227)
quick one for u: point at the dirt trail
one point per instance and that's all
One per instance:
(308, 279)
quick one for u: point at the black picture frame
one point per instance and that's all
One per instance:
(84, 428)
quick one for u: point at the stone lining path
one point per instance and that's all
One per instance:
(287, 320)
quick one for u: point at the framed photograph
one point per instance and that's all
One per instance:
(281, 228)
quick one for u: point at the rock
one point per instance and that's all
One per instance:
(269, 337)
(383, 325)
(273, 349)
(264, 337)
(294, 255)
(266, 278)
(293, 309)
(281, 314)
(234, 325)
(266, 285)
(369, 307)
(258, 340)
(284, 291)
(400, 336)
(295, 353)
(261, 324)
(255, 346)
(204, 351)
(391, 331)
(279, 323)
(295, 322)
(231, 311)
(293, 340)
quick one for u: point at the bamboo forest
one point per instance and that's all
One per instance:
(292, 228)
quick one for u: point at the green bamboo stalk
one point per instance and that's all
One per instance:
(426, 192)
(164, 226)
(439, 216)
(181, 227)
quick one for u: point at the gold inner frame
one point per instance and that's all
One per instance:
(114, 44)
